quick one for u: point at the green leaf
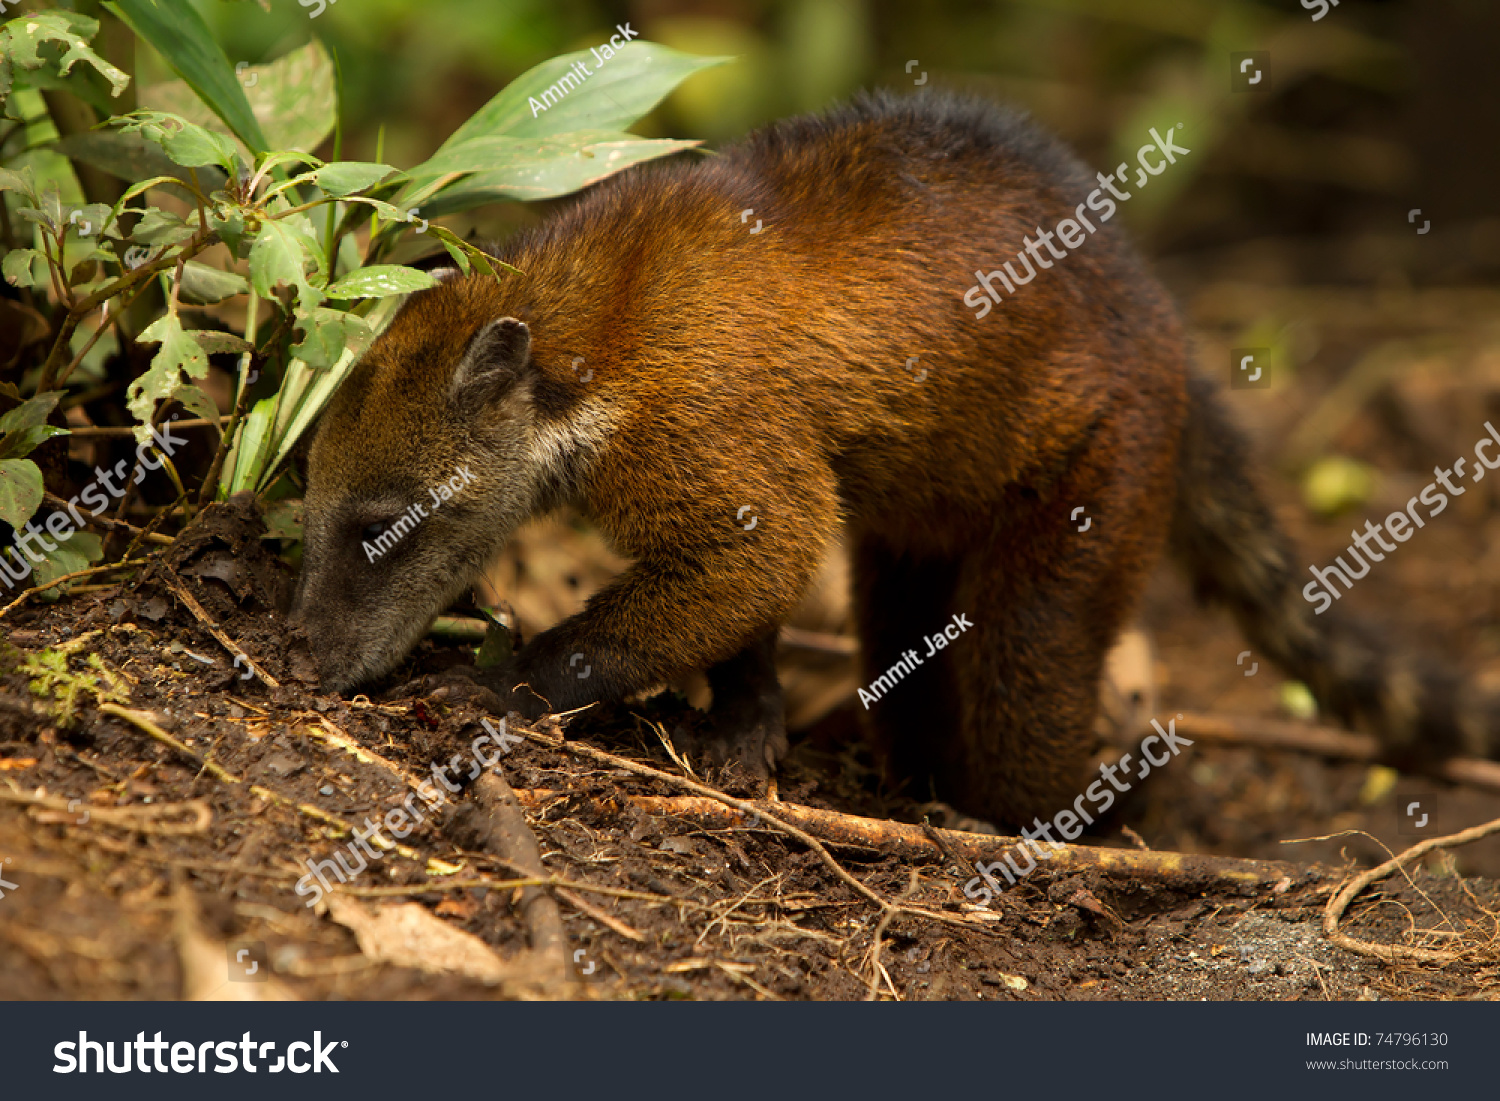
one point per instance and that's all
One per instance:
(246, 461)
(327, 334)
(160, 227)
(180, 35)
(131, 157)
(20, 491)
(387, 210)
(284, 520)
(21, 39)
(24, 267)
(184, 142)
(202, 284)
(194, 399)
(213, 342)
(379, 280)
(613, 97)
(281, 254)
(90, 220)
(30, 413)
(179, 352)
(229, 224)
(535, 169)
(75, 551)
(345, 177)
(17, 445)
(293, 98)
(22, 181)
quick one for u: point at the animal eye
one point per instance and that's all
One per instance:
(375, 530)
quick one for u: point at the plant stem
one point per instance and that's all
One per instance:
(81, 309)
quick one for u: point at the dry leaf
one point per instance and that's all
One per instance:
(408, 935)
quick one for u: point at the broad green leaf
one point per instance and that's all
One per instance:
(180, 35)
(379, 280)
(184, 142)
(295, 99)
(490, 151)
(19, 444)
(179, 352)
(292, 98)
(246, 461)
(161, 227)
(202, 284)
(614, 95)
(281, 254)
(31, 413)
(20, 491)
(327, 334)
(76, 551)
(346, 177)
(21, 39)
(537, 170)
(131, 157)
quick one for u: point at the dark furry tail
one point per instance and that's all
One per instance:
(1225, 536)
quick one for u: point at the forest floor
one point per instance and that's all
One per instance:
(159, 804)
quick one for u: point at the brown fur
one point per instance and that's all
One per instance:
(769, 369)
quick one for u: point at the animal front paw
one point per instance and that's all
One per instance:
(754, 739)
(484, 688)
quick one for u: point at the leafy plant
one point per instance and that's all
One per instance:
(214, 199)
(21, 430)
(50, 676)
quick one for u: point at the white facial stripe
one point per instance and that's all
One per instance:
(558, 445)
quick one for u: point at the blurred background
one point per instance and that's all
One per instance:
(1373, 110)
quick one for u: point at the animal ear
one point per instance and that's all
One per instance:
(494, 362)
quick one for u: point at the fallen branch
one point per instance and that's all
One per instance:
(1391, 952)
(1183, 871)
(1324, 741)
(579, 749)
(151, 820)
(502, 830)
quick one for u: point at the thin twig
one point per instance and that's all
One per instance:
(69, 577)
(142, 720)
(213, 629)
(90, 520)
(90, 430)
(1340, 901)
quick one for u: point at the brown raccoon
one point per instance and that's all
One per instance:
(718, 362)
